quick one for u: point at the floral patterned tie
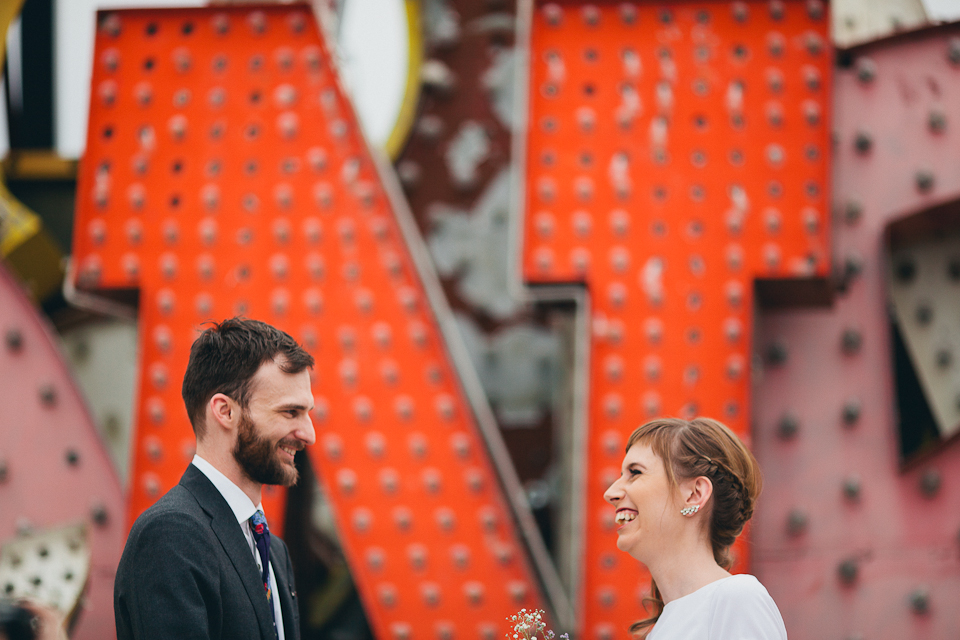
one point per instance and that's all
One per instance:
(261, 535)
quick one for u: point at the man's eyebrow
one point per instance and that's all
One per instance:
(292, 405)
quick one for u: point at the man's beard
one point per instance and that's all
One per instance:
(259, 458)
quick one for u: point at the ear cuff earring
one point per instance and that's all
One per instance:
(689, 511)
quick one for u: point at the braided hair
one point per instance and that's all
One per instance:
(708, 448)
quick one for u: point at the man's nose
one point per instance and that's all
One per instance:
(307, 432)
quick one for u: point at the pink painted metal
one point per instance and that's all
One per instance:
(55, 468)
(880, 562)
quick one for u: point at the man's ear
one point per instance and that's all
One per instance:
(223, 411)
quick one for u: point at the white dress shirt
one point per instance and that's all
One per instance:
(243, 508)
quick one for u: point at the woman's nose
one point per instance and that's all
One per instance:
(613, 492)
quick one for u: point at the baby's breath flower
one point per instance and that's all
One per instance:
(529, 625)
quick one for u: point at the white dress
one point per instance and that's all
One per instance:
(734, 608)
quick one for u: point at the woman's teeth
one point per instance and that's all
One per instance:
(625, 516)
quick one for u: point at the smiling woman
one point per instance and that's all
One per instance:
(685, 492)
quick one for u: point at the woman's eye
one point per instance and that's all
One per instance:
(634, 472)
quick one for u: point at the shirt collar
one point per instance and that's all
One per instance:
(239, 502)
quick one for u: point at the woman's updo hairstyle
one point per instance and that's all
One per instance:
(704, 447)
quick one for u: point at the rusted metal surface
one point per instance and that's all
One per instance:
(922, 278)
(54, 471)
(847, 540)
(225, 174)
(674, 153)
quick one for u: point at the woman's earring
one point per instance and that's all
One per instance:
(689, 511)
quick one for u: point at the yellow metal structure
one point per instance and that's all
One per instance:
(27, 248)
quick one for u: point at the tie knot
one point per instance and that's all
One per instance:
(259, 523)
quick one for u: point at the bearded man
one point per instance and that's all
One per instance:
(200, 563)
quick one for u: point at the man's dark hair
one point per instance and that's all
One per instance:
(225, 358)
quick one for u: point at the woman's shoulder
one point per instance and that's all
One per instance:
(744, 608)
(739, 586)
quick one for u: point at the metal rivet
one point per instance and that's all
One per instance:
(953, 52)
(14, 340)
(847, 571)
(924, 179)
(788, 426)
(906, 270)
(4, 471)
(99, 514)
(852, 211)
(417, 554)
(409, 173)
(863, 142)
(591, 15)
(553, 14)
(944, 357)
(930, 483)
(362, 519)
(740, 12)
(446, 519)
(920, 600)
(48, 394)
(866, 70)
(388, 595)
(375, 558)
(851, 411)
(797, 522)
(852, 486)
(430, 593)
(815, 9)
(460, 554)
(518, 591)
(72, 457)
(851, 341)
(924, 313)
(474, 592)
(953, 269)
(937, 121)
(776, 353)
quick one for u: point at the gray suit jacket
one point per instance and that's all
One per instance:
(187, 573)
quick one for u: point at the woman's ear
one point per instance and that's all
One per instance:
(695, 493)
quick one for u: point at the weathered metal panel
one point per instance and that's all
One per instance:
(674, 154)
(859, 21)
(847, 542)
(54, 471)
(226, 174)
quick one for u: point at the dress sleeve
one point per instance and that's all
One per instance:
(743, 610)
(168, 587)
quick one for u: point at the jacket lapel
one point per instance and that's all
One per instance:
(227, 530)
(288, 602)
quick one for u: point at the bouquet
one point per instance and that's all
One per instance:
(529, 625)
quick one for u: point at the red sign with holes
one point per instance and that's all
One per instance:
(675, 152)
(225, 174)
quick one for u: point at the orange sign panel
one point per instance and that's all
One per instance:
(675, 152)
(225, 174)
